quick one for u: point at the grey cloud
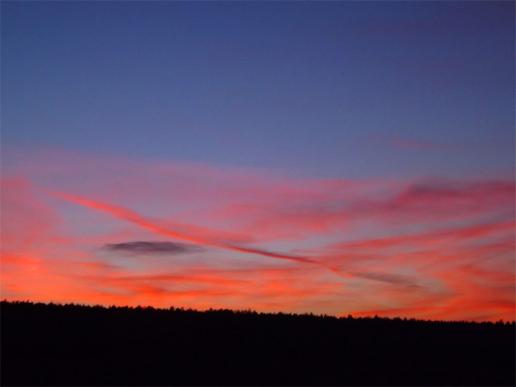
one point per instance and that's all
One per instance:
(153, 247)
(388, 278)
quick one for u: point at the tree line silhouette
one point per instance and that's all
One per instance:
(49, 344)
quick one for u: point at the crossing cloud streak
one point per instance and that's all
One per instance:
(133, 217)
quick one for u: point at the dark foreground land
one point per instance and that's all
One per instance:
(76, 345)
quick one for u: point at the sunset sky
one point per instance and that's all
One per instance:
(331, 157)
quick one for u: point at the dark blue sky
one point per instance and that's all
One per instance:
(348, 89)
(325, 157)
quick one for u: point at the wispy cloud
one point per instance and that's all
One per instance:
(135, 218)
(414, 144)
(433, 248)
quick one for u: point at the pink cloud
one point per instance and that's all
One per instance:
(429, 248)
(413, 144)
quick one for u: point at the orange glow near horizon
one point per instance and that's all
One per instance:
(216, 238)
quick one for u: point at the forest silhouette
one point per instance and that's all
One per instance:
(49, 344)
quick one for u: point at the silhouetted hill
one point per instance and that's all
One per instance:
(46, 344)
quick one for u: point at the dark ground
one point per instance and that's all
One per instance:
(75, 345)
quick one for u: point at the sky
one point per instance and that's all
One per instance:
(323, 157)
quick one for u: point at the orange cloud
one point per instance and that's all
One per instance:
(430, 249)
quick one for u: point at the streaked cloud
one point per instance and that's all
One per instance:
(430, 248)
